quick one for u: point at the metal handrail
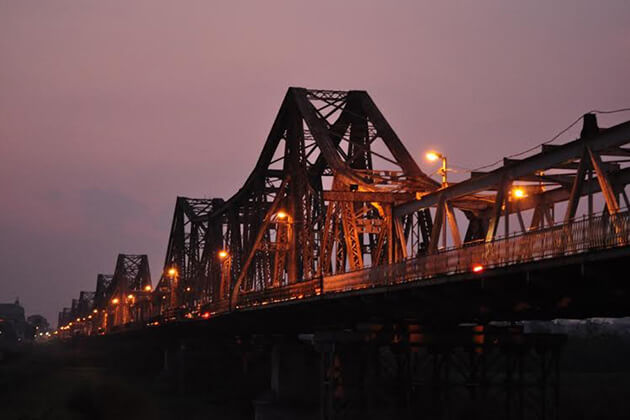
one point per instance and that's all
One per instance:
(578, 236)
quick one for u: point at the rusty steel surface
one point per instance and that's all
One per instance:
(337, 204)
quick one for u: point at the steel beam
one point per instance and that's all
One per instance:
(613, 137)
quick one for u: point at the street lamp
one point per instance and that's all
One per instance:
(223, 254)
(518, 193)
(281, 214)
(432, 156)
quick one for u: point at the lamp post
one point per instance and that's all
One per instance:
(172, 273)
(432, 156)
(224, 258)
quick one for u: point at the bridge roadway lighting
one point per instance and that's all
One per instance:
(477, 268)
(147, 288)
(172, 272)
(223, 254)
(130, 296)
(115, 301)
(518, 193)
(432, 156)
(281, 214)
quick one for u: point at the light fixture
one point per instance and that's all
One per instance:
(518, 192)
(433, 156)
(477, 268)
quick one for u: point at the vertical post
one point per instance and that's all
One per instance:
(590, 194)
(444, 185)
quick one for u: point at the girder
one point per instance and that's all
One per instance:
(322, 205)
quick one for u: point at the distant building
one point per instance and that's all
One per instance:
(39, 323)
(12, 315)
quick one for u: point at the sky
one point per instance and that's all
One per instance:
(111, 109)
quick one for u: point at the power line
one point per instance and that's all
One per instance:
(551, 140)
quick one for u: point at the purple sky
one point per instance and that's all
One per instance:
(110, 109)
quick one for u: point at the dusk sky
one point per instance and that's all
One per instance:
(111, 109)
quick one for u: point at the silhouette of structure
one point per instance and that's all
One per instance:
(337, 226)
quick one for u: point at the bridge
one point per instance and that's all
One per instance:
(337, 229)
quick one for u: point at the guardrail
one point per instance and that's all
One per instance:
(579, 236)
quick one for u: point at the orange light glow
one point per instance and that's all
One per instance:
(130, 297)
(206, 315)
(223, 254)
(95, 311)
(115, 301)
(433, 156)
(147, 288)
(188, 289)
(282, 214)
(172, 271)
(477, 268)
(518, 193)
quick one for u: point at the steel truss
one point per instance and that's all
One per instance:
(335, 191)
(595, 163)
(316, 204)
(129, 291)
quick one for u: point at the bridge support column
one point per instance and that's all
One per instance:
(293, 383)
(475, 373)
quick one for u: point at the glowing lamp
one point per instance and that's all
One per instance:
(433, 156)
(223, 254)
(147, 288)
(115, 301)
(518, 193)
(477, 268)
(172, 271)
(282, 215)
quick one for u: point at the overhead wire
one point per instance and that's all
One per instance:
(551, 140)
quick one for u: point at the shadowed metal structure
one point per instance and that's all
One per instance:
(129, 291)
(316, 204)
(339, 252)
(336, 204)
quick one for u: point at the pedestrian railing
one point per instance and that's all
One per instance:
(579, 236)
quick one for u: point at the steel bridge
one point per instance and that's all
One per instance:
(338, 234)
(336, 206)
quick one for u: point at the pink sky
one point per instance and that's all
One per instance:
(110, 109)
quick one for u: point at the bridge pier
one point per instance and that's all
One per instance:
(473, 372)
(294, 377)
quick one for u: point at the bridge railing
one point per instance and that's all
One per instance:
(579, 236)
(294, 291)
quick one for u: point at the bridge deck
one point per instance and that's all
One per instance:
(552, 244)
